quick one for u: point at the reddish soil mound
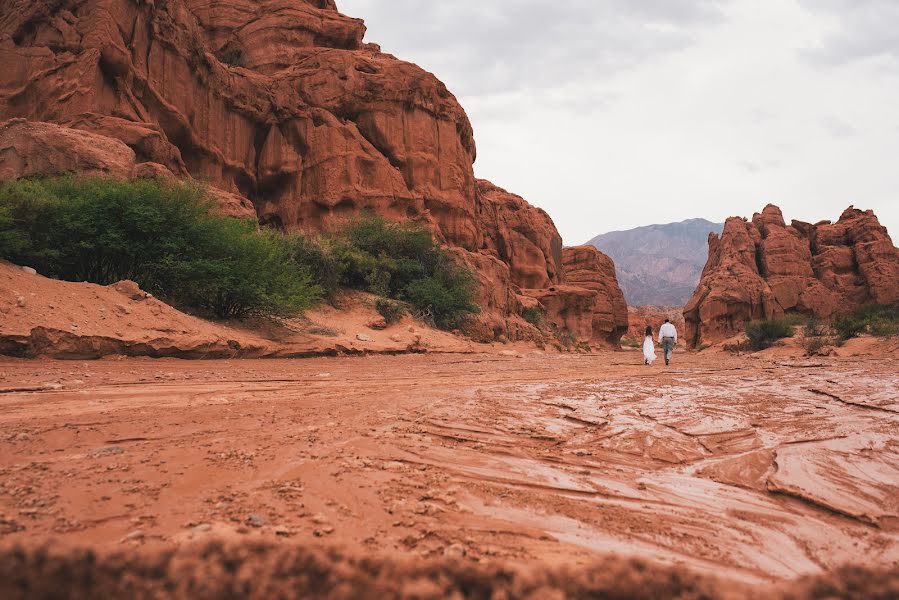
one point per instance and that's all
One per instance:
(765, 268)
(59, 319)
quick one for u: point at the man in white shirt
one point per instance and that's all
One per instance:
(668, 339)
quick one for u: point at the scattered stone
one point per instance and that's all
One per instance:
(363, 337)
(203, 528)
(283, 532)
(396, 338)
(106, 451)
(455, 551)
(20, 301)
(29, 270)
(133, 536)
(255, 521)
(379, 324)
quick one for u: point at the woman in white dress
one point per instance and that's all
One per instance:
(649, 347)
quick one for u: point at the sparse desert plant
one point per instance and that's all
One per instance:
(391, 310)
(566, 338)
(763, 334)
(628, 343)
(876, 319)
(815, 344)
(534, 315)
(814, 327)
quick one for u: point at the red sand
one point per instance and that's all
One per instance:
(753, 469)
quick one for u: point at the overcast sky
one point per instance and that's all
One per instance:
(612, 114)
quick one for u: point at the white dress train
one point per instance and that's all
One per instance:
(649, 350)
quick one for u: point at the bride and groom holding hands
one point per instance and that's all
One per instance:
(668, 339)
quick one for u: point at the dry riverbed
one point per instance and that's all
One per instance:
(753, 469)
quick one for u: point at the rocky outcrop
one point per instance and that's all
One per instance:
(28, 149)
(588, 268)
(764, 268)
(522, 236)
(280, 106)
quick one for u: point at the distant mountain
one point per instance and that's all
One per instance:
(659, 264)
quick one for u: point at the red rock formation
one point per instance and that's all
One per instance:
(587, 267)
(28, 149)
(280, 104)
(765, 268)
(522, 236)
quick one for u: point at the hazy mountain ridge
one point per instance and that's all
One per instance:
(659, 264)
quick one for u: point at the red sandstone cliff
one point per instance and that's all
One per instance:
(764, 268)
(283, 108)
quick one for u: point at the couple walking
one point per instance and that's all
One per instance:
(668, 339)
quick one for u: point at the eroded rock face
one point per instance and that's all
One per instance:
(587, 267)
(763, 268)
(28, 149)
(522, 236)
(283, 108)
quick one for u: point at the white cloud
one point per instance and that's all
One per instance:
(613, 114)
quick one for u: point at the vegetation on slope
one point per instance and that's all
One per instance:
(162, 235)
(400, 261)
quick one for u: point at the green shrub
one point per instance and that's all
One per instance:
(814, 345)
(534, 315)
(876, 319)
(318, 256)
(814, 327)
(157, 233)
(627, 343)
(391, 310)
(240, 271)
(400, 261)
(763, 334)
(447, 297)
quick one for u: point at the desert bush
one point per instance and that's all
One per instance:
(534, 315)
(814, 327)
(447, 296)
(157, 233)
(398, 261)
(876, 319)
(631, 343)
(391, 310)
(763, 334)
(814, 345)
(317, 255)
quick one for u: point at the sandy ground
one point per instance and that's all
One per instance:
(42, 317)
(749, 468)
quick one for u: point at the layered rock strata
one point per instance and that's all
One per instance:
(764, 268)
(279, 105)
